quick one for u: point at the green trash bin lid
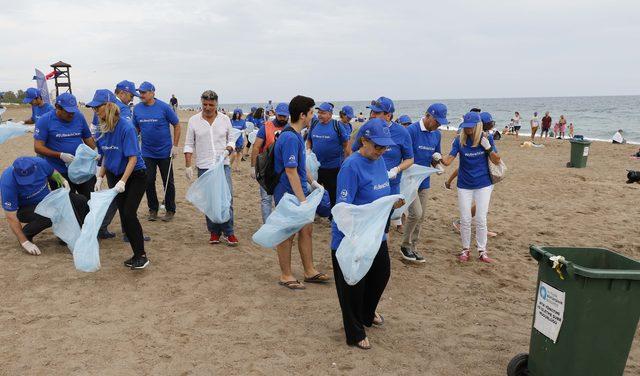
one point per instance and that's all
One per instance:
(590, 262)
(581, 142)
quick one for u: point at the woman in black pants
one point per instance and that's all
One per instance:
(124, 167)
(363, 179)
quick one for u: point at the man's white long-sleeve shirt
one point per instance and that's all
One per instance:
(208, 141)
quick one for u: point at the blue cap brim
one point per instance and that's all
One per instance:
(374, 108)
(468, 125)
(382, 141)
(28, 100)
(442, 121)
(70, 109)
(282, 114)
(94, 104)
(134, 93)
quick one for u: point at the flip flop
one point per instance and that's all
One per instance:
(318, 278)
(358, 345)
(378, 324)
(292, 285)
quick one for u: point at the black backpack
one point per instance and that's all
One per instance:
(336, 128)
(265, 166)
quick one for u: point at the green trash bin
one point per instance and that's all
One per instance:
(579, 153)
(584, 321)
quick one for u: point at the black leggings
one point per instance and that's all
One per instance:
(35, 223)
(328, 177)
(128, 203)
(359, 302)
(84, 189)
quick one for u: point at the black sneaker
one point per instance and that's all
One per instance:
(419, 258)
(139, 262)
(407, 254)
(129, 262)
(106, 234)
(153, 215)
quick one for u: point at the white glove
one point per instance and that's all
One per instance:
(253, 174)
(440, 169)
(65, 184)
(98, 157)
(393, 173)
(188, 172)
(227, 152)
(485, 143)
(174, 151)
(66, 157)
(119, 187)
(315, 184)
(436, 157)
(31, 248)
(98, 185)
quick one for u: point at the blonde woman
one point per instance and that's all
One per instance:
(124, 168)
(476, 150)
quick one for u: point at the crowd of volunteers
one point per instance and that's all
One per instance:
(360, 161)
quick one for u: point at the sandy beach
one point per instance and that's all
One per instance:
(201, 309)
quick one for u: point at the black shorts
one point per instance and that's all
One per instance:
(517, 127)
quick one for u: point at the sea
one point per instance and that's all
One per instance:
(595, 118)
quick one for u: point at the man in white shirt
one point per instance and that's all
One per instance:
(209, 136)
(618, 138)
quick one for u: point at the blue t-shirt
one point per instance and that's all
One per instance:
(473, 172)
(258, 123)
(15, 196)
(348, 127)
(241, 125)
(38, 111)
(360, 181)
(289, 152)
(153, 122)
(116, 147)
(425, 143)
(61, 136)
(125, 111)
(403, 149)
(327, 144)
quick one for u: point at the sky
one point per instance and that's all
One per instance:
(252, 51)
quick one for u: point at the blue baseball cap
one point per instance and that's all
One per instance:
(470, 120)
(485, 117)
(31, 94)
(404, 119)
(146, 86)
(24, 170)
(439, 112)
(382, 104)
(325, 106)
(282, 109)
(253, 109)
(68, 102)
(237, 111)
(348, 112)
(377, 131)
(128, 86)
(101, 97)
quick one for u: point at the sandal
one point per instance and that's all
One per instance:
(379, 323)
(362, 347)
(292, 285)
(318, 278)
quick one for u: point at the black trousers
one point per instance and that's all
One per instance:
(359, 302)
(35, 223)
(128, 203)
(328, 177)
(84, 189)
(165, 173)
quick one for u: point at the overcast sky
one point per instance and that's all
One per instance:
(251, 51)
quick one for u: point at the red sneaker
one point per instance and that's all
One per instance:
(485, 258)
(214, 239)
(464, 255)
(232, 241)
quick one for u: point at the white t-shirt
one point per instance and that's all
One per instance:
(618, 137)
(535, 122)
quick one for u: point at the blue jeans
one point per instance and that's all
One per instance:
(266, 204)
(227, 227)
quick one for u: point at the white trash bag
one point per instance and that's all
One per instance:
(409, 183)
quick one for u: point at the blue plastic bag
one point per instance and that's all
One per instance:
(57, 207)
(287, 219)
(409, 183)
(211, 195)
(363, 229)
(86, 252)
(324, 208)
(10, 130)
(84, 164)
